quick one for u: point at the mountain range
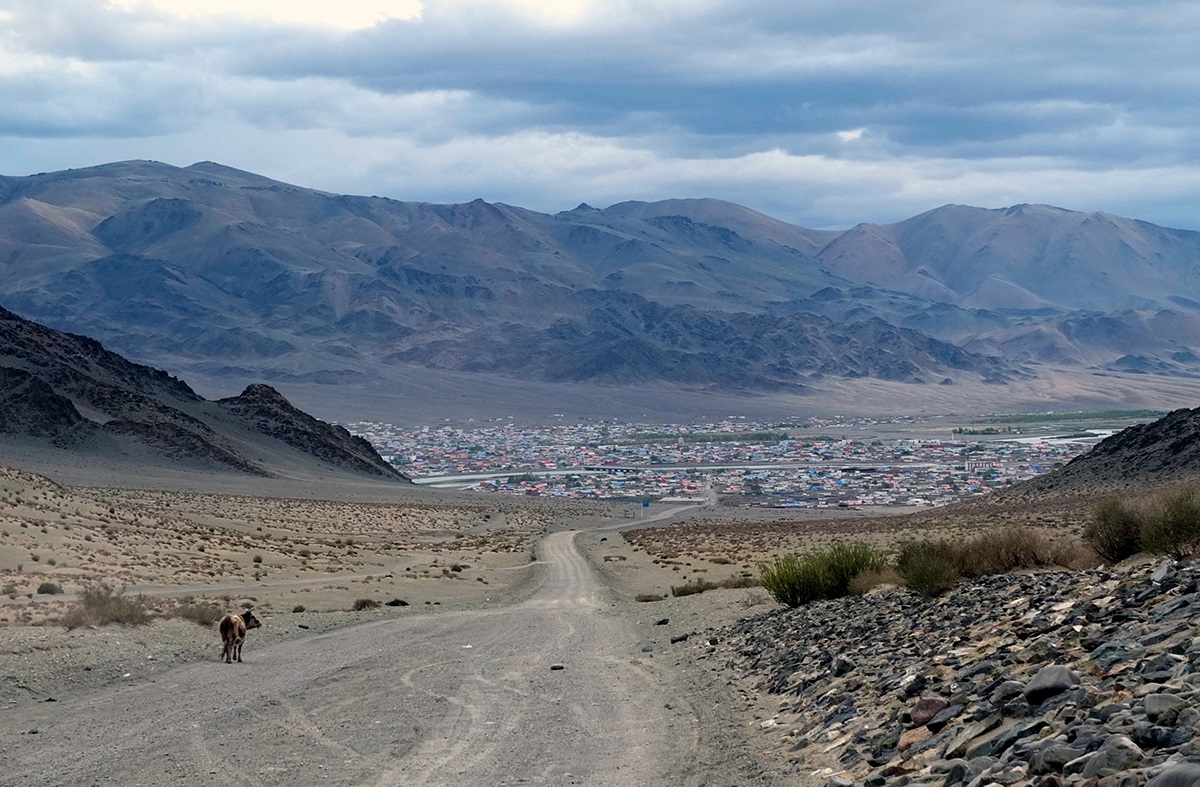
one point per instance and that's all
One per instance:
(70, 392)
(213, 271)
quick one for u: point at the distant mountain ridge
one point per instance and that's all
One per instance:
(71, 392)
(211, 270)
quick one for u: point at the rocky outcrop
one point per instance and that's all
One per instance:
(273, 415)
(29, 406)
(1056, 678)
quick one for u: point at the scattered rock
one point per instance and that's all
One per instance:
(1075, 679)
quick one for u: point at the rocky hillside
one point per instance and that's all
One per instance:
(210, 270)
(1049, 678)
(1159, 452)
(70, 392)
(274, 416)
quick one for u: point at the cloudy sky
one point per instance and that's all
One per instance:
(824, 112)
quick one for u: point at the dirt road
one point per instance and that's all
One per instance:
(465, 698)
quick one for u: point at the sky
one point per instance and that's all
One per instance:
(823, 113)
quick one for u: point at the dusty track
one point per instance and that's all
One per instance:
(458, 698)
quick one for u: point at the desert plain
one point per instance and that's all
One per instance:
(315, 557)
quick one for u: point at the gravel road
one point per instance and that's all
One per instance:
(557, 689)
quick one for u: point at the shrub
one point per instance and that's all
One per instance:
(693, 587)
(201, 614)
(1001, 551)
(397, 602)
(258, 559)
(1115, 531)
(928, 567)
(49, 589)
(740, 582)
(647, 597)
(298, 608)
(100, 604)
(793, 580)
(365, 603)
(1173, 525)
(846, 561)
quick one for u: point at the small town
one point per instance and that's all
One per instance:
(740, 462)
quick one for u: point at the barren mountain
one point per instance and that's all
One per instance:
(69, 391)
(213, 271)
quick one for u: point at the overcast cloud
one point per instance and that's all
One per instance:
(821, 113)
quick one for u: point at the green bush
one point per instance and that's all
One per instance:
(49, 589)
(365, 603)
(1173, 525)
(846, 561)
(1115, 531)
(100, 604)
(793, 580)
(928, 567)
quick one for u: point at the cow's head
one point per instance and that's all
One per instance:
(251, 621)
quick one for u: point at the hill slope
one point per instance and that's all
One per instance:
(1146, 454)
(69, 391)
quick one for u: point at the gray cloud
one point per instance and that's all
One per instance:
(821, 113)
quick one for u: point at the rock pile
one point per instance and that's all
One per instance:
(1053, 678)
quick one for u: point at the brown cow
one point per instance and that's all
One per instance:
(233, 633)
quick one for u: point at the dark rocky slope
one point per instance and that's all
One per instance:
(274, 416)
(72, 393)
(1145, 455)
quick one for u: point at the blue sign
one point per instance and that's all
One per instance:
(645, 504)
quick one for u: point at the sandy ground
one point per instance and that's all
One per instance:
(530, 581)
(462, 679)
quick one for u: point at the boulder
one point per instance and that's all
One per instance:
(1049, 681)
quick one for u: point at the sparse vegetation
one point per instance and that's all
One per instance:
(101, 604)
(1004, 550)
(931, 567)
(699, 585)
(693, 587)
(200, 613)
(364, 603)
